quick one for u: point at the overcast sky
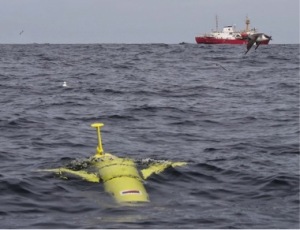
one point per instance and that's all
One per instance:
(141, 21)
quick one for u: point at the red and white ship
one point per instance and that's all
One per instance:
(230, 36)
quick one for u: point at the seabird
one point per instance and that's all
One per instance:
(21, 32)
(65, 84)
(256, 38)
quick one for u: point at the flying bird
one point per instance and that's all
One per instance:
(256, 38)
(21, 32)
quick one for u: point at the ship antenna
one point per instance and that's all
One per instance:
(217, 24)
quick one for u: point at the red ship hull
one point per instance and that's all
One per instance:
(209, 40)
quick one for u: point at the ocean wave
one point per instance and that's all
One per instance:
(238, 129)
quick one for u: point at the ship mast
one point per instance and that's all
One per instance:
(247, 23)
(217, 24)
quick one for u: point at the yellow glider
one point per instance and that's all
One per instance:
(120, 176)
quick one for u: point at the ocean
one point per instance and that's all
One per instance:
(233, 117)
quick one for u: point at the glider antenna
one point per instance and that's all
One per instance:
(99, 149)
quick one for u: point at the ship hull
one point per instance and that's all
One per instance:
(209, 40)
